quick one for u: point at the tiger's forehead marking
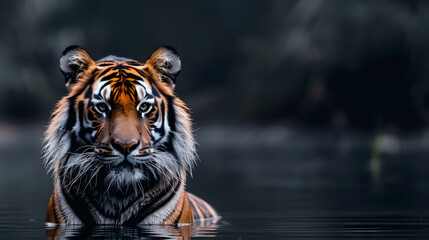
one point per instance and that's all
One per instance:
(116, 80)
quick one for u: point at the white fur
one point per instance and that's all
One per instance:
(56, 142)
(72, 57)
(183, 141)
(160, 215)
(106, 90)
(168, 56)
(68, 214)
(51, 225)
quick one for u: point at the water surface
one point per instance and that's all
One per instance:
(266, 183)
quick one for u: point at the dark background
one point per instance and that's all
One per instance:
(350, 64)
(307, 109)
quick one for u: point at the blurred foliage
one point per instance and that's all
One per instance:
(343, 64)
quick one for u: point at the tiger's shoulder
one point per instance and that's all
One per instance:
(201, 210)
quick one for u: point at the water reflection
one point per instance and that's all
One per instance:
(299, 185)
(138, 232)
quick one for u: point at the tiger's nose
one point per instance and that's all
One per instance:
(125, 147)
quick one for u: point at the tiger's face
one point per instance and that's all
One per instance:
(121, 128)
(124, 117)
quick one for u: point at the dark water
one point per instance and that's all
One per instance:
(266, 183)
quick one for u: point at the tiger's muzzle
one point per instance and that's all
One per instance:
(127, 140)
(119, 152)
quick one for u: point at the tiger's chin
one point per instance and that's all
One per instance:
(123, 172)
(124, 175)
(108, 173)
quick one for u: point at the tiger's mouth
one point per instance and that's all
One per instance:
(123, 160)
(124, 170)
(110, 156)
(112, 172)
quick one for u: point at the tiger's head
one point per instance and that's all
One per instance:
(121, 129)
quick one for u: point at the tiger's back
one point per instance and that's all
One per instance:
(201, 210)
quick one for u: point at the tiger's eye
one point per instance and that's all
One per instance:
(145, 107)
(101, 107)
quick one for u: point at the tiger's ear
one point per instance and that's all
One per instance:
(167, 63)
(74, 61)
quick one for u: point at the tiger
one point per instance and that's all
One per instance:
(120, 144)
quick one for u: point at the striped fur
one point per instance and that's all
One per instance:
(120, 143)
(203, 213)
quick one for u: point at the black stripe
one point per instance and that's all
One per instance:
(130, 75)
(138, 83)
(71, 120)
(79, 208)
(155, 203)
(160, 114)
(171, 113)
(53, 207)
(143, 72)
(101, 88)
(105, 64)
(75, 147)
(155, 93)
(134, 63)
(91, 116)
(88, 93)
(98, 96)
(105, 78)
(181, 212)
(77, 205)
(109, 77)
(83, 130)
(121, 66)
(172, 123)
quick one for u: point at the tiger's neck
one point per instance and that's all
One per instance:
(163, 204)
